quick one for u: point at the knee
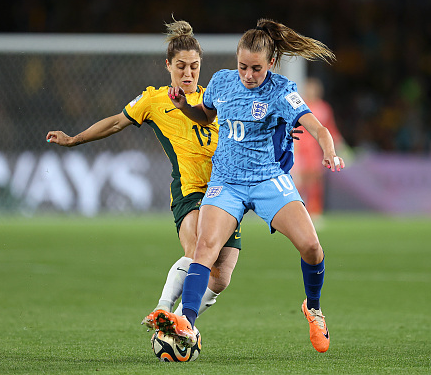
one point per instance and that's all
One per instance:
(188, 243)
(207, 244)
(206, 252)
(189, 251)
(311, 251)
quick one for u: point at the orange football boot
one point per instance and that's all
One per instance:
(173, 325)
(319, 335)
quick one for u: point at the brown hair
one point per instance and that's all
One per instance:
(180, 38)
(278, 40)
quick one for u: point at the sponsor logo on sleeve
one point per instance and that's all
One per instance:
(134, 101)
(294, 99)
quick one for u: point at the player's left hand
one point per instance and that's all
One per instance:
(333, 163)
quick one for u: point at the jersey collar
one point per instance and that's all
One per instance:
(266, 79)
(198, 89)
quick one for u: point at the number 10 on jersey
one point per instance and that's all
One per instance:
(237, 130)
(282, 180)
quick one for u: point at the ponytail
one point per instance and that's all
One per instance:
(277, 40)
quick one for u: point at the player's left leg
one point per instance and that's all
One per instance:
(294, 222)
(278, 202)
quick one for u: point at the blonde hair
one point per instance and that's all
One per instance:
(180, 38)
(277, 40)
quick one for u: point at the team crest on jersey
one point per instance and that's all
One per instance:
(259, 110)
(134, 101)
(213, 191)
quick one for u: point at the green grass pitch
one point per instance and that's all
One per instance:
(73, 292)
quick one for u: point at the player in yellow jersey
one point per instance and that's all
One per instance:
(188, 146)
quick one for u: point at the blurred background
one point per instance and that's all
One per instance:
(376, 99)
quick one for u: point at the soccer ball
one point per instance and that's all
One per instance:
(167, 350)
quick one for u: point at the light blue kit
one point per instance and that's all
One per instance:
(255, 150)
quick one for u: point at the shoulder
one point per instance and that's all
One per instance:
(283, 83)
(152, 91)
(144, 101)
(287, 91)
(224, 74)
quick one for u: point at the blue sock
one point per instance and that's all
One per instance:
(313, 276)
(194, 288)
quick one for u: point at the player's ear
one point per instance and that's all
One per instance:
(168, 66)
(271, 63)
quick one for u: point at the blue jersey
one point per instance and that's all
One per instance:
(254, 141)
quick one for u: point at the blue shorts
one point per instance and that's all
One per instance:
(265, 198)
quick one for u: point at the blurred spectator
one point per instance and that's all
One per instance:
(308, 171)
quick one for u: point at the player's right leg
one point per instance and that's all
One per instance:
(173, 287)
(186, 212)
(174, 325)
(215, 226)
(220, 276)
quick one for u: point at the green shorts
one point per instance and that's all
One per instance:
(192, 202)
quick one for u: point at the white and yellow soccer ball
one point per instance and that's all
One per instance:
(167, 349)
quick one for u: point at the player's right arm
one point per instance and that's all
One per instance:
(101, 129)
(197, 113)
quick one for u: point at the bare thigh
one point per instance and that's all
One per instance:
(215, 226)
(295, 223)
(188, 233)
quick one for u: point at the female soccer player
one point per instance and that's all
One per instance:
(189, 147)
(256, 110)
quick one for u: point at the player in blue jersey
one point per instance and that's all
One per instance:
(256, 111)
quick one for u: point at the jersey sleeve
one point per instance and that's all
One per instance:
(210, 94)
(139, 109)
(292, 105)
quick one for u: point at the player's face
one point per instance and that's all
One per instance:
(253, 67)
(185, 69)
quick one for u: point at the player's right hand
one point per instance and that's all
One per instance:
(177, 96)
(59, 137)
(295, 131)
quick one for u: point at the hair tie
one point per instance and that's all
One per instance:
(264, 29)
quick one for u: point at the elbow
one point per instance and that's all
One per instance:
(116, 128)
(205, 122)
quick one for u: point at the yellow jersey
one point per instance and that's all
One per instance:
(188, 145)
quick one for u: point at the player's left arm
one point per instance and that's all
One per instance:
(324, 138)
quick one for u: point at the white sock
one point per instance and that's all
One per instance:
(174, 283)
(208, 300)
